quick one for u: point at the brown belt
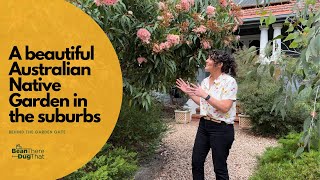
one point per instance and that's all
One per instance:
(216, 121)
(211, 119)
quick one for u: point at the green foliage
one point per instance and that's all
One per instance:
(109, 164)
(284, 152)
(281, 163)
(258, 102)
(258, 95)
(307, 167)
(268, 19)
(304, 35)
(139, 130)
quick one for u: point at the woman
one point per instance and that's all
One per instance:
(217, 99)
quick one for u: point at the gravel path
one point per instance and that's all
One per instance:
(178, 146)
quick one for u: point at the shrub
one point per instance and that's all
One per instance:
(257, 97)
(258, 103)
(307, 167)
(139, 130)
(109, 164)
(281, 163)
(285, 152)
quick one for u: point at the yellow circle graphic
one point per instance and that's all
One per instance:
(60, 89)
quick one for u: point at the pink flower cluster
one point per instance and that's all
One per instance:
(169, 16)
(172, 40)
(185, 5)
(105, 2)
(224, 3)
(211, 10)
(200, 30)
(164, 46)
(205, 44)
(141, 60)
(144, 35)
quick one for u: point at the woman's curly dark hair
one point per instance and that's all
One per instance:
(229, 64)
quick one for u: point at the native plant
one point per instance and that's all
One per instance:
(280, 162)
(300, 74)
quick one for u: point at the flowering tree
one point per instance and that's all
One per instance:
(158, 41)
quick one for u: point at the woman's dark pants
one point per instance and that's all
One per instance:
(217, 136)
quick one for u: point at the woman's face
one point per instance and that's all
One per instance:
(211, 66)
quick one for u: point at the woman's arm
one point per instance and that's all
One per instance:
(221, 105)
(195, 98)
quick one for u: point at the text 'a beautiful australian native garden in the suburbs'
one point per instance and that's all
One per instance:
(49, 63)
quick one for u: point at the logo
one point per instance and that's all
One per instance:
(27, 153)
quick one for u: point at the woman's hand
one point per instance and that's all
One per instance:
(197, 90)
(185, 87)
(182, 85)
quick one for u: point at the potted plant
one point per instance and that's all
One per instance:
(183, 115)
(244, 119)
